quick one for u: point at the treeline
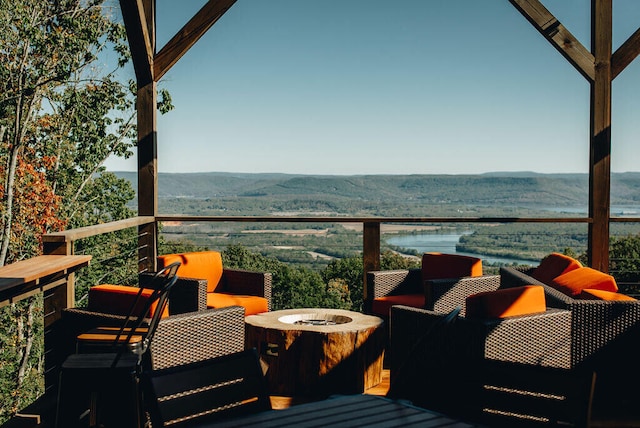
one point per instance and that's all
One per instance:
(532, 241)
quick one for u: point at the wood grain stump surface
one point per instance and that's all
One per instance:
(318, 360)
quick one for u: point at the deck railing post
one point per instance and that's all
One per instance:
(370, 251)
(55, 301)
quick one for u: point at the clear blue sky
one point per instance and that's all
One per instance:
(381, 87)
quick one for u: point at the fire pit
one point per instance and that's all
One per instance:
(318, 352)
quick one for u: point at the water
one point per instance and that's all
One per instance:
(446, 243)
(616, 210)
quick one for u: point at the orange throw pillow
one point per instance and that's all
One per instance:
(555, 264)
(117, 300)
(441, 265)
(201, 264)
(573, 282)
(507, 302)
(591, 294)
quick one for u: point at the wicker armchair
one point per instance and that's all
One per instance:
(225, 287)
(603, 332)
(191, 333)
(441, 295)
(604, 339)
(462, 366)
(388, 282)
(406, 286)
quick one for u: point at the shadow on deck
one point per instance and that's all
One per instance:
(603, 420)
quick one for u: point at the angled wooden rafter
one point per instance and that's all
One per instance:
(189, 35)
(625, 54)
(141, 43)
(558, 35)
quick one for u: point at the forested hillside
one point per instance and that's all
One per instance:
(512, 189)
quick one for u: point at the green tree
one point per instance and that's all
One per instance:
(62, 115)
(351, 270)
(292, 287)
(624, 255)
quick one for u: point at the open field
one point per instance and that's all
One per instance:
(392, 228)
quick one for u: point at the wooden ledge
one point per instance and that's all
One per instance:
(19, 279)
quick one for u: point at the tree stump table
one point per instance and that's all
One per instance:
(318, 352)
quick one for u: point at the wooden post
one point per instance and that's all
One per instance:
(147, 175)
(370, 251)
(600, 144)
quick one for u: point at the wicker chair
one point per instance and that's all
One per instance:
(191, 333)
(603, 332)
(199, 394)
(604, 339)
(462, 366)
(406, 286)
(225, 287)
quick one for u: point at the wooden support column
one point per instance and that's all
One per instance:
(147, 175)
(600, 144)
(370, 251)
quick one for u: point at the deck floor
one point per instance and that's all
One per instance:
(279, 402)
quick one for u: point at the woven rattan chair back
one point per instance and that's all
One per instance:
(202, 392)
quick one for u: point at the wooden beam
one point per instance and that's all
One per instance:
(625, 54)
(140, 42)
(147, 174)
(600, 144)
(558, 36)
(189, 35)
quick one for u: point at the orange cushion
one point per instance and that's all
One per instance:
(440, 265)
(252, 304)
(589, 293)
(203, 265)
(555, 264)
(382, 305)
(117, 300)
(507, 302)
(573, 282)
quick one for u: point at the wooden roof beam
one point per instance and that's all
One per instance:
(141, 44)
(625, 54)
(189, 35)
(558, 35)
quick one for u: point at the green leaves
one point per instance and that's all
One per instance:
(63, 112)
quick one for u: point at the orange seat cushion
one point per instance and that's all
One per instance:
(382, 305)
(508, 302)
(554, 265)
(117, 300)
(201, 264)
(440, 265)
(252, 304)
(591, 294)
(573, 282)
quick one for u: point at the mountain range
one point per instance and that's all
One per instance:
(503, 188)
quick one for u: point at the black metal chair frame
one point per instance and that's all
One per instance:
(121, 364)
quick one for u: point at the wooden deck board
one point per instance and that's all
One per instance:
(281, 402)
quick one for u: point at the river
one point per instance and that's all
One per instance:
(446, 243)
